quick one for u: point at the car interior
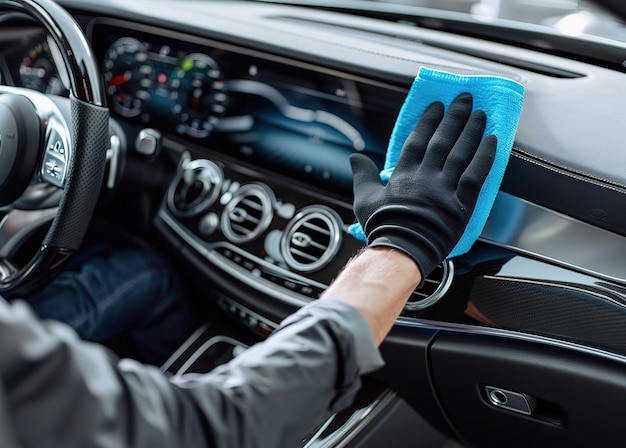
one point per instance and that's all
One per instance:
(221, 131)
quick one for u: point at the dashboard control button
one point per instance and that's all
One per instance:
(286, 211)
(208, 224)
(148, 142)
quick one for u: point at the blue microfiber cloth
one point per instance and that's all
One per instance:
(500, 98)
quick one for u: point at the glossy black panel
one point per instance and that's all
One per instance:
(497, 288)
(576, 399)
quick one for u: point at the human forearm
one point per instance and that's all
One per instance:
(270, 395)
(377, 282)
(418, 215)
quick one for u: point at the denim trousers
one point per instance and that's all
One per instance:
(106, 292)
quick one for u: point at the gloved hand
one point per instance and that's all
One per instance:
(431, 194)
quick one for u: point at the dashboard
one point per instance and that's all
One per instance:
(262, 190)
(226, 108)
(232, 107)
(256, 112)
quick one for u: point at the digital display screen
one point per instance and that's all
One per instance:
(300, 120)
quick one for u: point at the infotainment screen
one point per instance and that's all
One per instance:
(304, 123)
(293, 117)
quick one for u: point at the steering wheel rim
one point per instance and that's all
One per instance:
(88, 144)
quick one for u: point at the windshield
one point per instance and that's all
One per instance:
(570, 17)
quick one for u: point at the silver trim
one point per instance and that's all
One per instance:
(445, 283)
(530, 229)
(113, 161)
(208, 251)
(17, 225)
(359, 420)
(212, 177)
(234, 212)
(183, 348)
(7, 268)
(294, 239)
(79, 65)
(203, 348)
(507, 399)
(409, 322)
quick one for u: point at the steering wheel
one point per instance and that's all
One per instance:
(49, 145)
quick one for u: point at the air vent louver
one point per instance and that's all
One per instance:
(311, 239)
(433, 288)
(195, 188)
(248, 214)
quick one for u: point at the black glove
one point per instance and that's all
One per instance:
(426, 205)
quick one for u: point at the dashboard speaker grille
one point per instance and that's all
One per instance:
(311, 239)
(248, 214)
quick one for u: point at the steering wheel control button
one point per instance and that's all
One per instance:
(7, 269)
(55, 160)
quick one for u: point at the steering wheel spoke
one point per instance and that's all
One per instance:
(7, 268)
(18, 226)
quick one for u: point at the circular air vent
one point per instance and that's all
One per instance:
(433, 288)
(311, 239)
(248, 214)
(195, 188)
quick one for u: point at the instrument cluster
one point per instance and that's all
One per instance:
(38, 70)
(150, 81)
(163, 83)
(29, 61)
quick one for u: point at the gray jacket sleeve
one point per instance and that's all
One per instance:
(56, 390)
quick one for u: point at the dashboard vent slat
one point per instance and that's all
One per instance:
(311, 239)
(433, 288)
(248, 214)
